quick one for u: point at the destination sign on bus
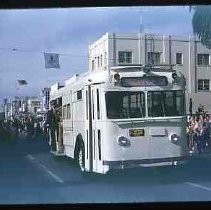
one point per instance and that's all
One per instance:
(146, 81)
(136, 132)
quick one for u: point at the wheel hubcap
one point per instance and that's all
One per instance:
(80, 160)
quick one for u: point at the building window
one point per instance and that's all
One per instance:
(93, 65)
(203, 84)
(79, 95)
(203, 59)
(101, 60)
(154, 57)
(98, 61)
(105, 59)
(125, 57)
(179, 58)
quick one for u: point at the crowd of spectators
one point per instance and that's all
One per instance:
(198, 130)
(24, 127)
(7, 132)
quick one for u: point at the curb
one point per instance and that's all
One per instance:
(200, 155)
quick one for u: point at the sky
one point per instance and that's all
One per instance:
(68, 32)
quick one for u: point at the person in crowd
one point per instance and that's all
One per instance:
(191, 107)
(191, 125)
(16, 127)
(200, 123)
(37, 129)
(44, 123)
(2, 131)
(200, 109)
(199, 140)
(59, 130)
(51, 122)
(199, 131)
(196, 130)
(7, 133)
(206, 127)
(30, 127)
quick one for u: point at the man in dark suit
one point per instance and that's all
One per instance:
(191, 107)
(51, 122)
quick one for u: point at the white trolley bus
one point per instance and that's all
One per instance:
(128, 117)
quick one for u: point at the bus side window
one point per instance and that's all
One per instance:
(134, 108)
(68, 112)
(64, 112)
(125, 111)
(99, 143)
(93, 107)
(87, 104)
(79, 94)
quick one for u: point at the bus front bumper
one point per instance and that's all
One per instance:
(145, 162)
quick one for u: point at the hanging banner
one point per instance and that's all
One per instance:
(51, 60)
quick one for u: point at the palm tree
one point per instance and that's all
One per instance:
(201, 23)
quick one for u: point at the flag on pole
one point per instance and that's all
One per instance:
(22, 82)
(51, 60)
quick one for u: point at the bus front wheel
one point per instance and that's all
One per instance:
(80, 157)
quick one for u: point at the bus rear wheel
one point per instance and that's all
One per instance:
(80, 158)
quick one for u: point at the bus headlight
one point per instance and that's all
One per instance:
(123, 141)
(116, 78)
(174, 138)
(174, 75)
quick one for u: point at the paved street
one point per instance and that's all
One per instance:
(29, 174)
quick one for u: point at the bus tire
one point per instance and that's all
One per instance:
(80, 156)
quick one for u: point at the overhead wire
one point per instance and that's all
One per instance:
(21, 50)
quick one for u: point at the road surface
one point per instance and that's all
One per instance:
(29, 174)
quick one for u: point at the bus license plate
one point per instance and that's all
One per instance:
(136, 132)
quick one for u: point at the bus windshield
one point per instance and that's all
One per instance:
(125, 104)
(165, 103)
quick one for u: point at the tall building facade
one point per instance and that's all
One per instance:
(186, 54)
(24, 105)
(45, 98)
(33, 105)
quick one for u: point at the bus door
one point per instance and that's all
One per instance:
(67, 120)
(96, 127)
(92, 104)
(88, 129)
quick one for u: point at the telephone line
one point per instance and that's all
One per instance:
(16, 49)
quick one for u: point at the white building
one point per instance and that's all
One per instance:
(187, 55)
(17, 106)
(33, 105)
(11, 107)
(45, 98)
